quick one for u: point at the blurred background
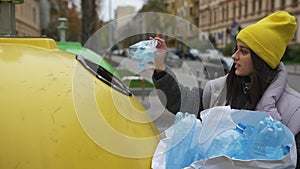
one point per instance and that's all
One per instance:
(219, 20)
(193, 60)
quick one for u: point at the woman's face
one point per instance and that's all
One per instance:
(242, 59)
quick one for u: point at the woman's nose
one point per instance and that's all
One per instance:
(235, 56)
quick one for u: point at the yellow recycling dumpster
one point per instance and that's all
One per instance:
(61, 111)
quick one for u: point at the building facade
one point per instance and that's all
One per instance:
(187, 10)
(121, 12)
(222, 19)
(28, 18)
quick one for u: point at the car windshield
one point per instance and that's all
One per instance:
(104, 75)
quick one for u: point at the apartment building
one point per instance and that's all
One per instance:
(222, 19)
(187, 10)
(28, 18)
(121, 12)
(39, 17)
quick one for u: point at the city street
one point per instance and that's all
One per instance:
(190, 74)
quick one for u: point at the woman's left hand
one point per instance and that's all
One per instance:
(159, 61)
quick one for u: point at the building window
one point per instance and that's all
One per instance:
(233, 8)
(227, 12)
(253, 6)
(167, 6)
(295, 2)
(259, 6)
(191, 11)
(282, 4)
(240, 9)
(272, 5)
(203, 20)
(215, 16)
(223, 14)
(211, 17)
(246, 8)
(34, 15)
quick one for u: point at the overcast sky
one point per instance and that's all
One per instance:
(105, 6)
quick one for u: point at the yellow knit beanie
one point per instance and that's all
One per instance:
(269, 37)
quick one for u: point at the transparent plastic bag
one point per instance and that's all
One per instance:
(188, 140)
(248, 118)
(180, 147)
(181, 151)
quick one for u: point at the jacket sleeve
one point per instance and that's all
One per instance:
(294, 123)
(175, 96)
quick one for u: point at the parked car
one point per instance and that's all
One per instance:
(216, 67)
(173, 60)
(121, 52)
(177, 52)
(192, 54)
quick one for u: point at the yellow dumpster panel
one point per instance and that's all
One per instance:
(56, 114)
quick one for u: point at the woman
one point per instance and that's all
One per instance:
(256, 81)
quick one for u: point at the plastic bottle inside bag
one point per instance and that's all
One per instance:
(239, 148)
(267, 143)
(143, 52)
(181, 154)
(223, 144)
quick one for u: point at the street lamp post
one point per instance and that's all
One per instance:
(62, 28)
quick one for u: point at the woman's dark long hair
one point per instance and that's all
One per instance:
(246, 92)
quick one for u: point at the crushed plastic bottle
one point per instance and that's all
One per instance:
(223, 144)
(267, 143)
(239, 148)
(179, 154)
(143, 52)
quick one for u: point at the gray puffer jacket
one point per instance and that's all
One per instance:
(279, 100)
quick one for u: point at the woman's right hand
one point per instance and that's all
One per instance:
(159, 61)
